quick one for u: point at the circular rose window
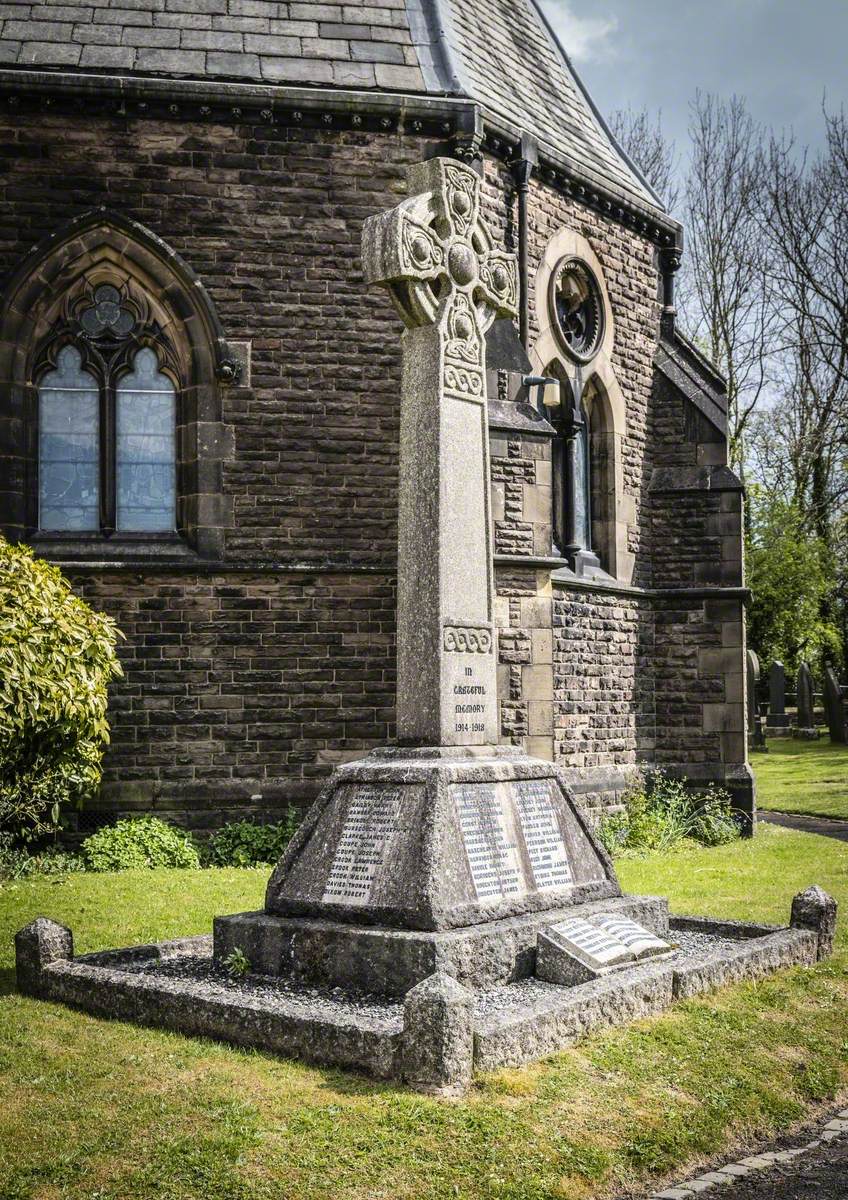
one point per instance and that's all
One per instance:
(577, 309)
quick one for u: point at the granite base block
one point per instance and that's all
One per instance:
(370, 959)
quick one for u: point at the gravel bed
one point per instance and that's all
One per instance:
(296, 998)
(696, 945)
(335, 1003)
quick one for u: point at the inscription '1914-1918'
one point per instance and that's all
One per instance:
(470, 701)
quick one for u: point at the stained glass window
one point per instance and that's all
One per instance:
(145, 443)
(69, 446)
(582, 514)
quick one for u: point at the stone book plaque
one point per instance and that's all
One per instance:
(371, 821)
(589, 944)
(512, 840)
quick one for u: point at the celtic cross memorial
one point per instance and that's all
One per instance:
(434, 254)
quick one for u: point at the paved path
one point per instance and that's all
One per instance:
(812, 1164)
(826, 826)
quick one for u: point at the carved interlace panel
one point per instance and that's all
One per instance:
(434, 253)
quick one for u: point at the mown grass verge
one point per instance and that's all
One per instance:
(803, 777)
(93, 1108)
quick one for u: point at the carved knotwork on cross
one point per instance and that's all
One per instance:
(434, 254)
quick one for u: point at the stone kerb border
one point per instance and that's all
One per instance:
(432, 1039)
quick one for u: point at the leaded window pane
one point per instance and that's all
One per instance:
(581, 490)
(146, 459)
(68, 451)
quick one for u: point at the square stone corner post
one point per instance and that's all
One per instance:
(438, 1036)
(815, 909)
(37, 945)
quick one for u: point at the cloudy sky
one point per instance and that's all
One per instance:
(782, 55)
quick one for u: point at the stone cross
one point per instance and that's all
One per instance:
(434, 253)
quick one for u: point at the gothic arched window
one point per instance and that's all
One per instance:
(574, 469)
(107, 417)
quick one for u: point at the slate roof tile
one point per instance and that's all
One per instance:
(499, 53)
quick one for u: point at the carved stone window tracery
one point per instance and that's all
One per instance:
(577, 309)
(107, 377)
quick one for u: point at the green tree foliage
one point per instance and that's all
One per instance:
(790, 574)
(57, 657)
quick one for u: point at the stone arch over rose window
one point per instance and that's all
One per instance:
(588, 391)
(103, 313)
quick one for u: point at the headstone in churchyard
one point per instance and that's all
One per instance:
(448, 829)
(805, 722)
(777, 716)
(755, 720)
(752, 678)
(834, 706)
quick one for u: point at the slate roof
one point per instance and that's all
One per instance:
(499, 53)
(695, 376)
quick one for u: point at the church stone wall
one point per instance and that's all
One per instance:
(242, 691)
(604, 718)
(248, 678)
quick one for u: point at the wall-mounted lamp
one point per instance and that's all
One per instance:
(547, 393)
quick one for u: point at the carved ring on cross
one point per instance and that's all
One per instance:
(434, 254)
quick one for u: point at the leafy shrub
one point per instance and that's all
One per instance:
(237, 964)
(661, 813)
(139, 842)
(246, 844)
(18, 863)
(57, 657)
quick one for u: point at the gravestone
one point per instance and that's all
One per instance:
(805, 721)
(777, 715)
(834, 706)
(755, 720)
(448, 830)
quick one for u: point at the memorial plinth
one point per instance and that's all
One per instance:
(448, 831)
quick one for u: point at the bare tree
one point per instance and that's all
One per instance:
(806, 226)
(727, 300)
(643, 141)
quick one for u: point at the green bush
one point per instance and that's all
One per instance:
(139, 842)
(57, 657)
(246, 844)
(18, 863)
(662, 814)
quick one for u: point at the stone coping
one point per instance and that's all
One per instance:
(174, 985)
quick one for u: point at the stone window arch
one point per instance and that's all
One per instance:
(112, 361)
(588, 414)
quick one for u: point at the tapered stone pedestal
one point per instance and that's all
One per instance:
(414, 860)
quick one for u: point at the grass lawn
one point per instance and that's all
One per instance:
(97, 1109)
(803, 777)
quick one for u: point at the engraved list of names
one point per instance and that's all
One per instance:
(542, 837)
(489, 843)
(371, 820)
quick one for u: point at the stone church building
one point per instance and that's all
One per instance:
(199, 394)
